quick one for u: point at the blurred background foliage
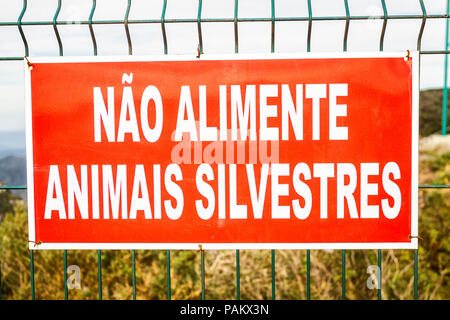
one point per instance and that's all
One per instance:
(151, 282)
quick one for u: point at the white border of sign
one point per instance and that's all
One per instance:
(413, 244)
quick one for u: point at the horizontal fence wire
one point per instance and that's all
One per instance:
(199, 20)
(420, 51)
(236, 19)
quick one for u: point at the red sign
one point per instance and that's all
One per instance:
(243, 151)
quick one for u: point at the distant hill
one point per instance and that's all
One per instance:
(13, 173)
(430, 111)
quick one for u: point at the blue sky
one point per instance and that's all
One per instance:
(217, 37)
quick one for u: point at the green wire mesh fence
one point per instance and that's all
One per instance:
(310, 19)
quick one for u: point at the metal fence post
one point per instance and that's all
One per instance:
(445, 93)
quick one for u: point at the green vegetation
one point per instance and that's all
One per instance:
(151, 283)
(7, 201)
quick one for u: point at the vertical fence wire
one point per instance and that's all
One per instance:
(99, 267)
(235, 22)
(202, 252)
(272, 50)
(308, 274)
(380, 279)
(127, 30)
(445, 93)
(91, 29)
(163, 30)
(163, 26)
(380, 274)
(272, 38)
(169, 294)
(308, 39)
(238, 277)
(347, 26)
(308, 252)
(236, 50)
(19, 26)
(422, 26)
(133, 272)
(199, 27)
(66, 291)
(55, 28)
(130, 52)
(416, 262)
(32, 274)
(343, 274)
(383, 29)
(25, 44)
(347, 23)
(61, 53)
(273, 274)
